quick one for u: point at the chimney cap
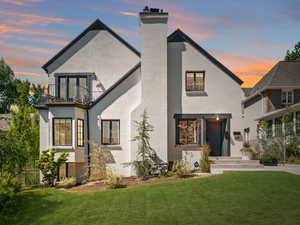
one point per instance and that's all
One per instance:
(152, 11)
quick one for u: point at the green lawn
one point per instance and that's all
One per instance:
(234, 198)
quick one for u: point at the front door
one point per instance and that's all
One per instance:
(214, 136)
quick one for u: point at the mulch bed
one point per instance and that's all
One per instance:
(126, 182)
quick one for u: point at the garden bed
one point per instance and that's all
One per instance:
(128, 182)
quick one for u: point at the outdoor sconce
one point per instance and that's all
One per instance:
(237, 135)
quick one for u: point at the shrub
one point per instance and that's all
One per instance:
(113, 181)
(9, 187)
(273, 152)
(180, 168)
(292, 148)
(204, 162)
(68, 182)
(49, 166)
(32, 179)
(166, 173)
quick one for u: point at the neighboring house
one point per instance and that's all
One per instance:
(4, 122)
(275, 95)
(99, 85)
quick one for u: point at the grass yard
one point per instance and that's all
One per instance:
(234, 198)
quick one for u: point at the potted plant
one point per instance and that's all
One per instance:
(246, 151)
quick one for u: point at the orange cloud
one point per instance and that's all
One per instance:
(4, 28)
(125, 32)
(23, 63)
(192, 30)
(51, 41)
(20, 2)
(28, 74)
(249, 81)
(30, 19)
(128, 13)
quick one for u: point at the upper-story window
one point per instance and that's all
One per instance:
(194, 80)
(287, 97)
(72, 87)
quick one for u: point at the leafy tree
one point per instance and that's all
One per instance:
(8, 87)
(293, 55)
(37, 94)
(49, 166)
(145, 154)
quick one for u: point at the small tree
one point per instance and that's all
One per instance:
(49, 166)
(293, 55)
(205, 163)
(145, 154)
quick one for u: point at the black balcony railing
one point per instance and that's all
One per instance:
(80, 95)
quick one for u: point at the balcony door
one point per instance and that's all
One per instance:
(72, 88)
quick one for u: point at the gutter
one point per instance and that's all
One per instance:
(88, 143)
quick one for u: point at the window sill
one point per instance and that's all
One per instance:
(196, 93)
(113, 147)
(190, 147)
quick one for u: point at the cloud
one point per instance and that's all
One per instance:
(128, 13)
(28, 74)
(20, 2)
(125, 32)
(57, 42)
(4, 29)
(23, 63)
(31, 19)
(249, 81)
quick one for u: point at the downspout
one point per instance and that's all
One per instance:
(88, 142)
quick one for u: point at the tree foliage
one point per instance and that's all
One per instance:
(49, 165)
(145, 155)
(293, 55)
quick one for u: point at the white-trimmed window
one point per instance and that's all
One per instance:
(287, 97)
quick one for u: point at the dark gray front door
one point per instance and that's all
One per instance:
(214, 137)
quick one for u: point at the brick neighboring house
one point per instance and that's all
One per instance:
(275, 95)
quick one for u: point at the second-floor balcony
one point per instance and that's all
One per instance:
(58, 93)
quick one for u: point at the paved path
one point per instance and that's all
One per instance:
(294, 169)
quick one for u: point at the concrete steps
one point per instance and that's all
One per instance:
(219, 164)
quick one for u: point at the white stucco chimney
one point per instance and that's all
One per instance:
(153, 28)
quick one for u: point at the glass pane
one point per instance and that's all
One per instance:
(190, 81)
(199, 81)
(283, 97)
(192, 132)
(72, 88)
(62, 88)
(82, 88)
(80, 128)
(297, 122)
(105, 132)
(62, 132)
(289, 97)
(115, 132)
(278, 127)
(182, 126)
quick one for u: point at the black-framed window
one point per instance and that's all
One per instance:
(62, 131)
(73, 87)
(287, 97)
(110, 132)
(188, 131)
(80, 132)
(194, 80)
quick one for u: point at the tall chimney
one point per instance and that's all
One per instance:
(154, 27)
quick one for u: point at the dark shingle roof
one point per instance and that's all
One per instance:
(247, 91)
(283, 74)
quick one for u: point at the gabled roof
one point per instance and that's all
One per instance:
(116, 84)
(284, 74)
(247, 91)
(96, 25)
(180, 36)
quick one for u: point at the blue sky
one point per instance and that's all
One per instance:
(249, 37)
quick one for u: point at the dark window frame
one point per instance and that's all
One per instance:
(110, 131)
(53, 130)
(194, 72)
(77, 133)
(67, 77)
(199, 135)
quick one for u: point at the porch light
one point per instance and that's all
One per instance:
(217, 118)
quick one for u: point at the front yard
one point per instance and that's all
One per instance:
(231, 198)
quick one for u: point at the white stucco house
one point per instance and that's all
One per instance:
(99, 85)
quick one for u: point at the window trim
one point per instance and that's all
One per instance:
(110, 131)
(77, 134)
(285, 92)
(199, 129)
(53, 130)
(194, 72)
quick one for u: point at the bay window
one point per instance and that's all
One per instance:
(62, 131)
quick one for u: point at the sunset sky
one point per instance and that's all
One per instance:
(248, 37)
